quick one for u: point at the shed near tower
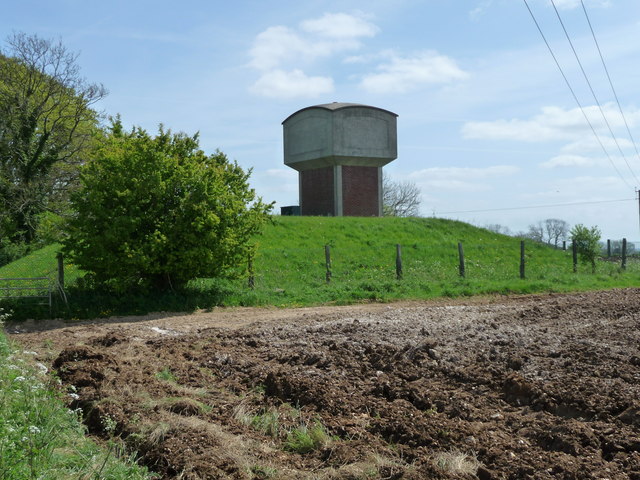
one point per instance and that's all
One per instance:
(339, 150)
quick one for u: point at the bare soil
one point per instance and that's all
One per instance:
(538, 387)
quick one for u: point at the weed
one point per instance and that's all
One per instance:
(40, 437)
(267, 423)
(305, 438)
(262, 472)
(455, 461)
(158, 432)
(166, 375)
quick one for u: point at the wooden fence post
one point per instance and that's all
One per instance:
(608, 248)
(398, 261)
(624, 254)
(522, 264)
(564, 245)
(461, 255)
(327, 260)
(574, 251)
(252, 279)
(60, 270)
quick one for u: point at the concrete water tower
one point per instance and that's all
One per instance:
(339, 150)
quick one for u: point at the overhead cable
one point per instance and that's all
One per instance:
(584, 114)
(593, 93)
(609, 78)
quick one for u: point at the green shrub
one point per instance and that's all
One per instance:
(156, 212)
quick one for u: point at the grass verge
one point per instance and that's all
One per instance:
(290, 269)
(42, 439)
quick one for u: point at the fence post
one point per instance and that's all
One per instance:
(624, 254)
(522, 264)
(608, 248)
(564, 245)
(252, 279)
(398, 261)
(60, 270)
(461, 255)
(574, 251)
(327, 259)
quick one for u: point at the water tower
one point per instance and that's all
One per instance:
(339, 150)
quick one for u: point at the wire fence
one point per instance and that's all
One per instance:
(358, 267)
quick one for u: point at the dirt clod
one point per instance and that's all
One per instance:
(540, 387)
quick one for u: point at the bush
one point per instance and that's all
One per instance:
(156, 212)
(587, 242)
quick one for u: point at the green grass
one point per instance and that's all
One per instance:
(290, 268)
(39, 437)
(307, 438)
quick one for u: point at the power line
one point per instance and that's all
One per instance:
(609, 78)
(595, 98)
(575, 97)
(540, 206)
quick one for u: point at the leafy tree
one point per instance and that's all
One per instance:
(155, 212)
(400, 199)
(587, 242)
(46, 123)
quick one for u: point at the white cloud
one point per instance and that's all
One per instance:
(291, 84)
(340, 26)
(588, 144)
(460, 178)
(570, 161)
(274, 46)
(280, 53)
(402, 74)
(554, 123)
(482, 7)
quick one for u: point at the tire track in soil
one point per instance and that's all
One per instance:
(540, 387)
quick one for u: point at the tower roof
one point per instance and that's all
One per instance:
(338, 106)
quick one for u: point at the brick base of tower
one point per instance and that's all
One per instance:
(341, 190)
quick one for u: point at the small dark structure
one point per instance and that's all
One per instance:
(339, 150)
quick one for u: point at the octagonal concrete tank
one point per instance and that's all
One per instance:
(339, 150)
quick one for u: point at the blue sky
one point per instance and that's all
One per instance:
(485, 123)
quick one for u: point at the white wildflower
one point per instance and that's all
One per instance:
(42, 367)
(19, 379)
(34, 430)
(75, 396)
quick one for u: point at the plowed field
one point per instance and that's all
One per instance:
(540, 387)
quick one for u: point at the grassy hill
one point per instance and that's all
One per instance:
(290, 267)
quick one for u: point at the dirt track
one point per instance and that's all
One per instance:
(534, 387)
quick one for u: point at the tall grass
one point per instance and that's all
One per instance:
(290, 268)
(39, 437)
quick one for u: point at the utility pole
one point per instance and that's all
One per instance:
(638, 193)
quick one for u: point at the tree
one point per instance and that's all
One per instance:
(46, 123)
(550, 231)
(400, 199)
(497, 228)
(536, 232)
(556, 230)
(155, 212)
(587, 242)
